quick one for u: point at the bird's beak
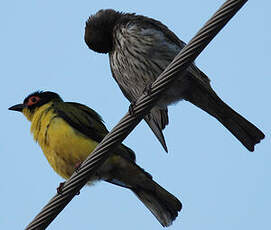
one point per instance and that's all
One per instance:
(18, 107)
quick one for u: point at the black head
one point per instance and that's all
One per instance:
(35, 100)
(99, 30)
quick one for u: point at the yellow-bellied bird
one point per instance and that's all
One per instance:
(68, 132)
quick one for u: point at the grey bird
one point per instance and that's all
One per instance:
(139, 49)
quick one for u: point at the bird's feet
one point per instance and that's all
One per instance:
(59, 188)
(147, 89)
(131, 108)
(77, 166)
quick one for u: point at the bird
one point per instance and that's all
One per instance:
(139, 49)
(68, 132)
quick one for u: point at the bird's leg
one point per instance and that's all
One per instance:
(77, 166)
(147, 89)
(59, 188)
(131, 108)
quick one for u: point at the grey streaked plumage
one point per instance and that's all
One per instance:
(140, 48)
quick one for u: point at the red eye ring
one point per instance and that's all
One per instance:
(32, 100)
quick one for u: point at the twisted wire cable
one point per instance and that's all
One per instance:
(187, 55)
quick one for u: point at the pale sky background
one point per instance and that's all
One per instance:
(221, 185)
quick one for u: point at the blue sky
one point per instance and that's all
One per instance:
(221, 184)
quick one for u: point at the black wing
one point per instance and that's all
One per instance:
(88, 122)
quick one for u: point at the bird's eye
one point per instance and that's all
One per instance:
(33, 100)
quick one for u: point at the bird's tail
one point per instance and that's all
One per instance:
(163, 205)
(206, 99)
(157, 120)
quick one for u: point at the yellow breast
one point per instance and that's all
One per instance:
(63, 146)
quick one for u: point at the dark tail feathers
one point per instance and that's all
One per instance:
(247, 133)
(163, 205)
(157, 120)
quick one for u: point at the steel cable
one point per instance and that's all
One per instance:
(187, 55)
